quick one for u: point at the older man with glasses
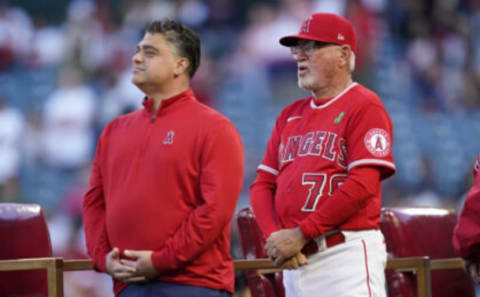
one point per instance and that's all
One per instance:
(317, 194)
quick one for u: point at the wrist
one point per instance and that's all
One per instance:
(300, 236)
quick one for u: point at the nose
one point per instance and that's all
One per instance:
(299, 56)
(137, 58)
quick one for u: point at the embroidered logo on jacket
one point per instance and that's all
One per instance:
(169, 138)
(377, 141)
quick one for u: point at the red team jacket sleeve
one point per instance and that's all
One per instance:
(98, 245)
(262, 194)
(262, 191)
(466, 236)
(369, 123)
(361, 184)
(221, 182)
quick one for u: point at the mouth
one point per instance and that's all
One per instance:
(302, 70)
(137, 69)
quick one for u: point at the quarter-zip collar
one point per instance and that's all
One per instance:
(166, 104)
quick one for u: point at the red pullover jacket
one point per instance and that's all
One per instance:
(466, 235)
(167, 182)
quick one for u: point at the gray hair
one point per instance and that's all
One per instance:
(351, 62)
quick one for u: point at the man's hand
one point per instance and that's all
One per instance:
(141, 263)
(284, 244)
(473, 269)
(118, 270)
(295, 262)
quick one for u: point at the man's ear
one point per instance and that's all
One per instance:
(181, 66)
(345, 53)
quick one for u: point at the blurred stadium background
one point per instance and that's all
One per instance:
(65, 72)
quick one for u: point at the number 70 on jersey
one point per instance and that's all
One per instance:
(316, 183)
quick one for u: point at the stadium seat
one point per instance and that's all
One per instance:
(260, 284)
(413, 237)
(23, 234)
(412, 232)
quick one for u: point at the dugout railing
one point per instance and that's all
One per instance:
(25, 246)
(56, 267)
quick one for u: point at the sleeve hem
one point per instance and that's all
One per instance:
(305, 230)
(375, 162)
(161, 262)
(100, 263)
(268, 169)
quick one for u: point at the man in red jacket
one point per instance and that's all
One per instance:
(466, 236)
(165, 180)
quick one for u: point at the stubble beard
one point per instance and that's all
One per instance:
(305, 82)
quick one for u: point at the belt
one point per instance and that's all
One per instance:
(320, 243)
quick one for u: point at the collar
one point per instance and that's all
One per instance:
(322, 103)
(319, 102)
(167, 103)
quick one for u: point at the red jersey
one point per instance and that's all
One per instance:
(168, 183)
(310, 154)
(466, 236)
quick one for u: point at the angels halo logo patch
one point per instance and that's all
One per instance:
(377, 141)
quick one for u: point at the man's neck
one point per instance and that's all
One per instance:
(333, 89)
(159, 96)
(161, 92)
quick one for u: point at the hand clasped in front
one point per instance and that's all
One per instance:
(139, 267)
(283, 245)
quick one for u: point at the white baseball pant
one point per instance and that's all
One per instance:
(355, 268)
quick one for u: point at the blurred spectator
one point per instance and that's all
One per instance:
(139, 13)
(16, 33)
(49, 45)
(266, 24)
(11, 131)
(193, 13)
(68, 120)
(120, 97)
(88, 43)
(336, 7)
(369, 30)
(32, 144)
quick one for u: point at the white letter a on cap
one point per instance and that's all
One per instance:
(306, 25)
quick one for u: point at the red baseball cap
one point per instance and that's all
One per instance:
(324, 27)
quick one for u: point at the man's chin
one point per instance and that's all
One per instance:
(302, 84)
(140, 84)
(137, 81)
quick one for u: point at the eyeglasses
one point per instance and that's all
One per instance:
(307, 47)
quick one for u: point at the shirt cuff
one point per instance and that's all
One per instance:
(308, 232)
(100, 264)
(162, 261)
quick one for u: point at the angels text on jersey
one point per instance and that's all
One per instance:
(325, 144)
